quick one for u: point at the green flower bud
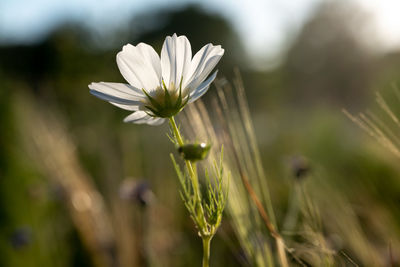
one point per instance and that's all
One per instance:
(194, 152)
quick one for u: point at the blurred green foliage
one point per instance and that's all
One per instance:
(296, 108)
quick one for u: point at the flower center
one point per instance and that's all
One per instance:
(165, 102)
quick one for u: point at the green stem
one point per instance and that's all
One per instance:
(191, 169)
(189, 165)
(206, 251)
(205, 233)
(177, 134)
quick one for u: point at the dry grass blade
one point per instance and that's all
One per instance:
(377, 127)
(234, 129)
(55, 153)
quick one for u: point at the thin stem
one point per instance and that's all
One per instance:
(177, 134)
(274, 233)
(206, 251)
(190, 167)
(192, 171)
(206, 233)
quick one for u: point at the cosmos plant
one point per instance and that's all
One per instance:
(158, 89)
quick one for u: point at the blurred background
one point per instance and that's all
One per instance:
(78, 187)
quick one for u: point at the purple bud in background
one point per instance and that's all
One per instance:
(137, 191)
(300, 166)
(21, 237)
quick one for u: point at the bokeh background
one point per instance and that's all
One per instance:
(302, 62)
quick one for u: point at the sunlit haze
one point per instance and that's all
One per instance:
(264, 26)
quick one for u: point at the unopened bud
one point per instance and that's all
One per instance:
(300, 167)
(194, 152)
(21, 237)
(137, 191)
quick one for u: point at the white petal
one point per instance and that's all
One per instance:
(126, 107)
(118, 93)
(202, 64)
(140, 65)
(176, 55)
(155, 121)
(141, 117)
(117, 89)
(203, 88)
(136, 117)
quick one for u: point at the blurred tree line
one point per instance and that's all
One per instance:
(327, 66)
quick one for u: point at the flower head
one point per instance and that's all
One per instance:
(160, 87)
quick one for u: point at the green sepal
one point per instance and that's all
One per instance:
(152, 100)
(167, 97)
(170, 105)
(179, 100)
(152, 110)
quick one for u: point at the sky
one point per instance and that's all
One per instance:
(386, 19)
(264, 25)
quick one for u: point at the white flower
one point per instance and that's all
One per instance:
(160, 88)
